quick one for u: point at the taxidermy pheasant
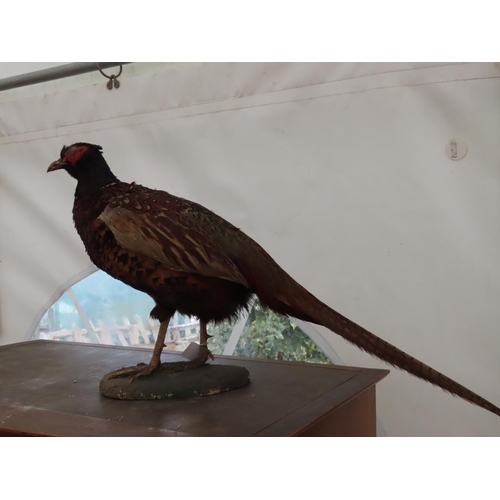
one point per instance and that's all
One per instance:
(190, 260)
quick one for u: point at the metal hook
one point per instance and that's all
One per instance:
(113, 79)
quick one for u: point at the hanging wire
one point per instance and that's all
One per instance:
(113, 79)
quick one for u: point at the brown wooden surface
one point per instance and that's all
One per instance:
(52, 388)
(355, 418)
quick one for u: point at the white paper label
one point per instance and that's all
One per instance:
(192, 351)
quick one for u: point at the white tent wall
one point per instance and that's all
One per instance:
(338, 170)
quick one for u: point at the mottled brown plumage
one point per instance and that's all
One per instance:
(144, 238)
(191, 260)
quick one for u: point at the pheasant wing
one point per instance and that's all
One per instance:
(175, 232)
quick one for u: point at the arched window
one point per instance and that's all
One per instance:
(100, 309)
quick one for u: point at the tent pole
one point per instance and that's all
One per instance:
(46, 75)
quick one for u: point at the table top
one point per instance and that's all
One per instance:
(52, 388)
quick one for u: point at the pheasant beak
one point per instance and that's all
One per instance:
(56, 165)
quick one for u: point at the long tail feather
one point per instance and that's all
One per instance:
(357, 335)
(283, 294)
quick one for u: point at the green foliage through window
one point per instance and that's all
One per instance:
(268, 335)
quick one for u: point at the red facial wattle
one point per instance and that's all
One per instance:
(74, 154)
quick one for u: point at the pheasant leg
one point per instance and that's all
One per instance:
(142, 370)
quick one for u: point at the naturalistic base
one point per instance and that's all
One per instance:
(172, 381)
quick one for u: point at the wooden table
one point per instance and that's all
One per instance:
(52, 388)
